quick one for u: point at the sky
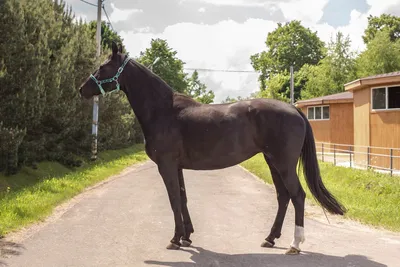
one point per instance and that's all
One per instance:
(223, 34)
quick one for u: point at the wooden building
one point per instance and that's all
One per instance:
(366, 115)
(377, 118)
(331, 117)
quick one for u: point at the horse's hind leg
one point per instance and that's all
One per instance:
(297, 196)
(283, 201)
(187, 222)
(288, 186)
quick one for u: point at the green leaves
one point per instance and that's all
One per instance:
(321, 69)
(333, 71)
(170, 68)
(381, 56)
(376, 24)
(198, 91)
(45, 56)
(288, 45)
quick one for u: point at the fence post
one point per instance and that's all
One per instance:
(391, 162)
(368, 160)
(334, 154)
(350, 155)
(322, 152)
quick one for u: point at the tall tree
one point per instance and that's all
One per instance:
(198, 90)
(333, 71)
(288, 45)
(108, 35)
(381, 56)
(278, 86)
(169, 67)
(384, 21)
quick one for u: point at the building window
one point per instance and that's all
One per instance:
(318, 113)
(386, 97)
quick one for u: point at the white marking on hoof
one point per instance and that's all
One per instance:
(292, 251)
(298, 237)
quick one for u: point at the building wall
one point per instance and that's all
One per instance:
(339, 128)
(361, 125)
(385, 132)
(342, 123)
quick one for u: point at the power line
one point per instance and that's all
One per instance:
(105, 12)
(221, 70)
(88, 3)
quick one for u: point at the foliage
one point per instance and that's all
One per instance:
(288, 45)
(31, 195)
(383, 22)
(45, 56)
(229, 99)
(381, 56)
(169, 67)
(163, 61)
(278, 86)
(333, 71)
(198, 90)
(370, 197)
(107, 35)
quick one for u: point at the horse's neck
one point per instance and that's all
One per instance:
(148, 97)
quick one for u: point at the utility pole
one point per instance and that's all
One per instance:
(96, 98)
(291, 86)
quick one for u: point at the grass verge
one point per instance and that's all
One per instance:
(371, 198)
(31, 195)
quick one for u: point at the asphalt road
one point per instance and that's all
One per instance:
(127, 221)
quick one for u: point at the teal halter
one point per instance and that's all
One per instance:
(110, 80)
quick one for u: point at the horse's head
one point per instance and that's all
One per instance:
(106, 78)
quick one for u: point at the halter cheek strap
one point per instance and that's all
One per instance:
(110, 80)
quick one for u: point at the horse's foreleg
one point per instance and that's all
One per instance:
(187, 222)
(169, 173)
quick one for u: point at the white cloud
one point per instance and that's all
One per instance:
(121, 15)
(202, 9)
(304, 10)
(234, 2)
(380, 6)
(225, 45)
(228, 45)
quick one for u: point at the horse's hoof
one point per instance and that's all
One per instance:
(173, 246)
(292, 251)
(267, 244)
(186, 242)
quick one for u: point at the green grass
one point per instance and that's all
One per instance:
(370, 198)
(31, 195)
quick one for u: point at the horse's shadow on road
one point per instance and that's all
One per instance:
(7, 249)
(205, 258)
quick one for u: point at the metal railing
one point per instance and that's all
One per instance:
(382, 159)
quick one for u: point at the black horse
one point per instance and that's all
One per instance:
(181, 133)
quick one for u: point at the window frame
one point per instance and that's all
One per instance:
(322, 112)
(386, 98)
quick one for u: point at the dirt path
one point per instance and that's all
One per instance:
(127, 221)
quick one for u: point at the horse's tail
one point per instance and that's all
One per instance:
(312, 173)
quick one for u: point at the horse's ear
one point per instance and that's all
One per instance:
(114, 48)
(120, 48)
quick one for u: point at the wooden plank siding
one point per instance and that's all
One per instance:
(339, 128)
(385, 132)
(361, 125)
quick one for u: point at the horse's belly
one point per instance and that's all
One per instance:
(218, 156)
